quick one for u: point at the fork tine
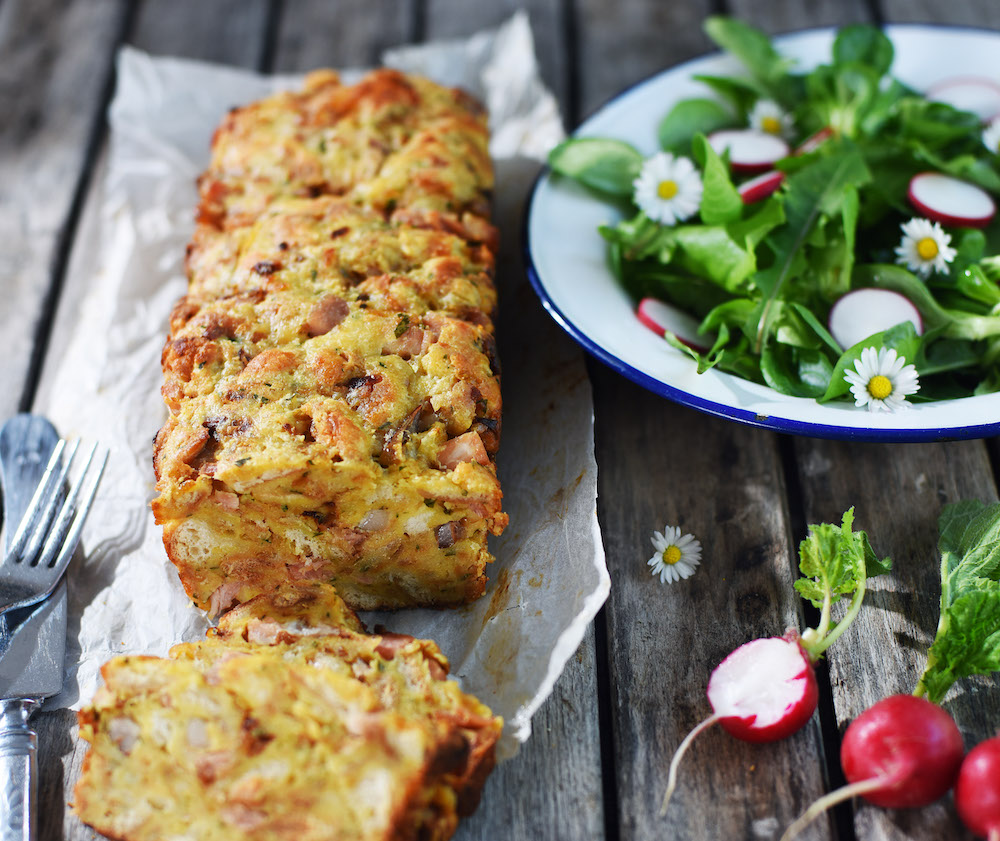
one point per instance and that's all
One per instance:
(42, 499)
(65, 533)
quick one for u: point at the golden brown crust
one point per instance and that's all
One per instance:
(332, 374)
(289, 721)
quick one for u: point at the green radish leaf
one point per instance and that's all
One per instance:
(609, 166)
(690, 117)
(753, 48)
(798, 372)
(835, 561)
(741, 93)
(967, 641)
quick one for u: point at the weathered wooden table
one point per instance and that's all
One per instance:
(596, 765)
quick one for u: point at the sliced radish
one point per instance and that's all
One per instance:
(949, 201)
(659, 317)
(759, 188)
(749, 150)
(814, 141)
(862, 312)
(977, 94)
(765, 690)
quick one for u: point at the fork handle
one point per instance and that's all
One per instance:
(18, 777)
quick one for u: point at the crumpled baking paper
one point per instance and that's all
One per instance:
(550, 578)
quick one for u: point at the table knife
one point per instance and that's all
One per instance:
(32, 640)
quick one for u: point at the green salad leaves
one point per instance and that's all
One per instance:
(967, 641)
(762, 276)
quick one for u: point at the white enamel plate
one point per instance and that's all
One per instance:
(566, 256)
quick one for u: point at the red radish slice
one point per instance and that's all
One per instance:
(759, 188)
(659, 317)
(977, 94)
(949, 201)
(749, 150)
(765, 690)
(862, 312)
(814, 141)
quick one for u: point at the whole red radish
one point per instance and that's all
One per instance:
(911, 745)
(765, 690)
(977, 792)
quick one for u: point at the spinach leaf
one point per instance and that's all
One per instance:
(690, 117)
(863, 44)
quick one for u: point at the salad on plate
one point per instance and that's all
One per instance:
(830, 234)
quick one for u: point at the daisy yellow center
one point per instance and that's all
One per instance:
(927, 248)
(667, 189)
(671, 555)
(772, 125)
(880, 387)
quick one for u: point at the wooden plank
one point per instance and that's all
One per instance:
(665, 464)
(549, 790)
(349, 33)
(621, 43)
(52, 86)
(778, 16)
(898, 492)
(224, 31)
(977, 13)
(455, 18)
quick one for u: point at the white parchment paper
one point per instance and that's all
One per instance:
(550, 577)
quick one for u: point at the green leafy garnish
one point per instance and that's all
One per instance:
(967, 641)
(835, 562)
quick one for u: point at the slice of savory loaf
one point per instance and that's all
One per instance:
(332, 375)
(288, 722)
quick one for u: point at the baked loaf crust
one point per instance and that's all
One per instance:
(332, 375)
(288, 722)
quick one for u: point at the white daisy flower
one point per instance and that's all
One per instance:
(668, 189)
(924, 247)
(769, 117)
(991, 136)
(881, 380)
(676, 556)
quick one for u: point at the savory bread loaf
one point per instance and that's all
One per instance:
(288, 722)
(332, 375)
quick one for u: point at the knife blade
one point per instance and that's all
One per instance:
(32, 640)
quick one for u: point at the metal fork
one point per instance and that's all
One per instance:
(50, 529)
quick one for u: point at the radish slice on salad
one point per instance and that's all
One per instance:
(659, 317)
(759, 188)
(814, 141)
(862, 312)
(977, 94)
(749, 150)
(949, 201)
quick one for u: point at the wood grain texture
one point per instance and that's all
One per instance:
(663, 464)
(978, 13)
(779, 16)
(55, 69)
(349, 33)
(459, 18)
(898, 492)
(223, 31)
(621, 43)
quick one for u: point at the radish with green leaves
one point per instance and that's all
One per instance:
(977, 791)
(977, 94)
(766, 689)
(906, 751)
(861, 313)
(662, 318)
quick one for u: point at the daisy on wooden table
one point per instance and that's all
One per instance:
(882, 380)
(677, 555)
